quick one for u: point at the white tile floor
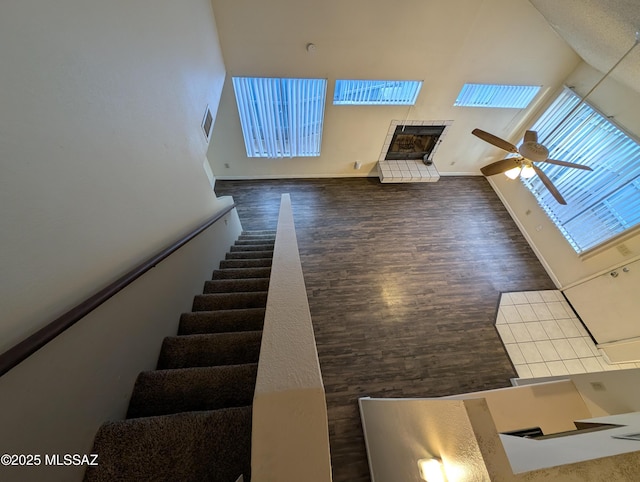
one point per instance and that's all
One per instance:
(544, 337)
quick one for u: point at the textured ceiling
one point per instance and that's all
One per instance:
(600, 31)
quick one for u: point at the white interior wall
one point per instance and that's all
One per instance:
(526, 455)
(551, 406)
(613, 99)
(101, 149)
(399, 432)
(609, 393)
(55, 401)
(445, 44)
(605, 393)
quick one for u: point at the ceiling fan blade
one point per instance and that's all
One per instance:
(568, 164)
(501, 166)
(549, 185)
(496, 141)
(531, 136)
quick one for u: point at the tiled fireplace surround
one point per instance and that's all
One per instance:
(409, 170)
(544, 337)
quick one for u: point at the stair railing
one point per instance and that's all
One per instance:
(22, 350)
(290, 437)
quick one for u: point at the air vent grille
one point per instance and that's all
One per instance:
(207, 123)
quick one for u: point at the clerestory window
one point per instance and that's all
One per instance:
(376, 92)
(496, 95)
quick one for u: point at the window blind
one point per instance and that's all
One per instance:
(492, 95)
(376, 92)
(602, 203)
(281, 117)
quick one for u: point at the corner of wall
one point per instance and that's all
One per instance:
(525, 233)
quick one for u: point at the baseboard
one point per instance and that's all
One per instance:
(325, 176)
(524, 232)
(291, 176)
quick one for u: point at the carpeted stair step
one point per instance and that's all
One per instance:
(163, 392)
(194, 446)
(207, 350)
(235, 285)
(264, 237)
(267, 238)
(221, 321)
(249, 254)
(257, 236)
(237, 273)
(253, 242)
(190, 420)
(229, 301)
(260, 231)
(245, 263)
(251, 247)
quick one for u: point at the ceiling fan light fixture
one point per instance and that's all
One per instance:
(530, 151)
(528, 171)
(513, 173)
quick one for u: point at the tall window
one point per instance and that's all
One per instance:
(281, 117)
(602, 203)
(496, 95)
(376, 92)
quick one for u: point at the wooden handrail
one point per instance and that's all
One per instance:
(19, 352)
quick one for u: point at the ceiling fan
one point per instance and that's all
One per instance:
(529, 153)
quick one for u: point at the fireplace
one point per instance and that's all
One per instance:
(413, 142)
(408, 151)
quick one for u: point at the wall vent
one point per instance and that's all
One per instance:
(207, 123)
(624, 250)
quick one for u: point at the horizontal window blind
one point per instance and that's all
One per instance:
(281, 117)
(376, 92)
(601, 203)
(492, 95)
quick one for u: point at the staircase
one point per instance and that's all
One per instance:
(190, 419)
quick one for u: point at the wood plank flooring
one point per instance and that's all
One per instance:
(403, 283)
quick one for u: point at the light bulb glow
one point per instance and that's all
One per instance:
(527, 172)
(431, 470)
(513, 173)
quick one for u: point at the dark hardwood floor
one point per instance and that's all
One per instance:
(403, 283)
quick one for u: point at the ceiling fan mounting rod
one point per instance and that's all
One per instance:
(577, 106)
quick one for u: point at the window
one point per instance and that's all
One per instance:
(602, 203)
(490, 95)
(281, 117)
(376, 92)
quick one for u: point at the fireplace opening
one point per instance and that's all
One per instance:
(414, 142)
